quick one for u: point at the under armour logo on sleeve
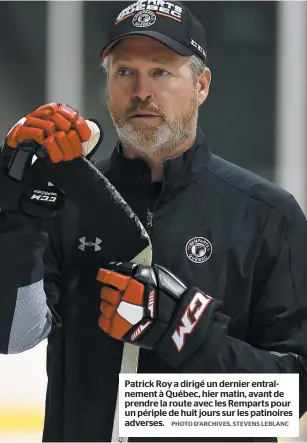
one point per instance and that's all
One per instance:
(84, 244)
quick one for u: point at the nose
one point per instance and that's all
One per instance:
(142, 88)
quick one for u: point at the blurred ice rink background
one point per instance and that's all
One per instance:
(255, 115)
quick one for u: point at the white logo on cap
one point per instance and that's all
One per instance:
(144, 19)
(197, 46)
(161, 7)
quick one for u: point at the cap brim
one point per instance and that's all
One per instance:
(167, 41)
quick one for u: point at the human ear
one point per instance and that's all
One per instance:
(203, 85)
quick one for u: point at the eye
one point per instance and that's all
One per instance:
(161, 72)
(122, 72)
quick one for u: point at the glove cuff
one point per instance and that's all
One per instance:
(189, 327)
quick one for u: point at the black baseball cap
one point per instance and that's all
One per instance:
(169, 22)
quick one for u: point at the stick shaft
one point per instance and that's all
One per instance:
(130, 356)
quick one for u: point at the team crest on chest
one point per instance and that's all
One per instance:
(198, 249)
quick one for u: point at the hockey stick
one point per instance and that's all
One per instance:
(97, 198)
(130, 356)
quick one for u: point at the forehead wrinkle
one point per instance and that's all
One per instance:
(148, 57)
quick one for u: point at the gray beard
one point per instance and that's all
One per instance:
(161, 141)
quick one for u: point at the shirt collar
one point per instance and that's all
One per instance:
(179, 171)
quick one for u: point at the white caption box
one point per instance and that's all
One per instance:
(209, 405)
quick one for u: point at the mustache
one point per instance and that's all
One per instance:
(143, 106)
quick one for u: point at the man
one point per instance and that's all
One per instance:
(222, 237)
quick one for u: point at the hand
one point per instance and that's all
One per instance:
(35, 196)
(150, 307)
(58, 130)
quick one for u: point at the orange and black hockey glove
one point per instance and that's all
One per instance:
(54, 131)
(151, 308)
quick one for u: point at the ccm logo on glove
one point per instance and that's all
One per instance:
(195, 310)
(150, 307)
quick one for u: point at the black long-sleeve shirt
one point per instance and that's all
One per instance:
(250, 253)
